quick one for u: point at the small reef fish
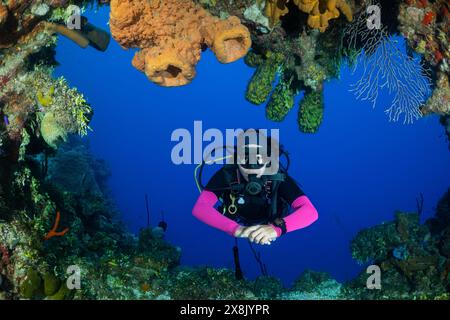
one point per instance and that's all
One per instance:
(113, 264)
(6, 120)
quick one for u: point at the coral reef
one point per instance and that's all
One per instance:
(374, 244)
(292, 78)
(46, 286)
(21, 19)
(425, 26)
(413, 257)
(289, 57)
(314, 48)
(30, 99)
(54, 107)
(209, 284)
(73, 168)
(38, 112)
(117, 265)
(50, 184)
(439, 102)
(93, 232)
(314, 285)
(171, 35)
(28, 94)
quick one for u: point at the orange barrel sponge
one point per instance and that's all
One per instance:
(3, 14)
(171, 35)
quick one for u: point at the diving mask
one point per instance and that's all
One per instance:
(253, 160)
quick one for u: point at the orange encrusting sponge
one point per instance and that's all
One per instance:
(171, 35)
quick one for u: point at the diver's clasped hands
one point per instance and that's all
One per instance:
(260, 234)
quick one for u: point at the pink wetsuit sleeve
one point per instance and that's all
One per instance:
(304, 214)
(204, 211)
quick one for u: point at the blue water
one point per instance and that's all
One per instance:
(357, 170)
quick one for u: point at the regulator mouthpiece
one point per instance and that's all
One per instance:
(254, 185)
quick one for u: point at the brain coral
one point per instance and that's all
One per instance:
(171, 35)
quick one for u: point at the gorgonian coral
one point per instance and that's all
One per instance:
(386, 66)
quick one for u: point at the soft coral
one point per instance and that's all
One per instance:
(428, 18)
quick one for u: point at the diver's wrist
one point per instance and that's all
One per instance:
(281, 224)
(277, 230)
(238, 231)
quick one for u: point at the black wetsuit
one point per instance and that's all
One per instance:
(251, 209)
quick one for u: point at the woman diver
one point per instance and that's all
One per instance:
(256, 203)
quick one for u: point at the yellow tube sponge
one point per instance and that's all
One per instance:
(275, 9)
(305, 5)
(320, 11)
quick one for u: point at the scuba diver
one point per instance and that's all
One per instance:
(257, 200)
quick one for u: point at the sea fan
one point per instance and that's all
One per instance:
(385, 66)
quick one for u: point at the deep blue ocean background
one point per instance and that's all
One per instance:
(357, 170)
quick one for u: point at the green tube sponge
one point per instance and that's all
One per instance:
(62, 294)
(281, 102)
(51, 284)
(51, 131)
(253, 59)
(310, 115)
(31, 286)
(261, 83)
